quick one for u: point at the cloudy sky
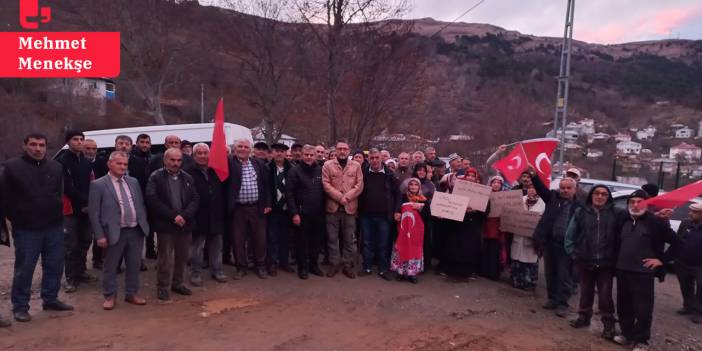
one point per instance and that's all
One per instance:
(600, 21)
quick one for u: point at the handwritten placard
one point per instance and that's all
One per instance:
(479, 194)
(502, 201)
(449, 206)
(522, 222)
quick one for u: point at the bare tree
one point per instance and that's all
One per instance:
(149, 40)
(387, 64)
(337, 26)
(264, 47)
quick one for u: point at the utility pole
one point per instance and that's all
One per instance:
(561, 114)
(202, 103)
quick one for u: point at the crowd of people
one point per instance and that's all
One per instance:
(306, 207)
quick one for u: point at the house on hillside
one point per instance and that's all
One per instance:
(460, 137)
(594, 154)
(684, 133)
(646, 134)
(599, 136)
(571, 135)
(100, 90)
(687, 151)
(629, 148)
(620, 137)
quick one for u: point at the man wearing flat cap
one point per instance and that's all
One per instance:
(688, 264)
(279, 221)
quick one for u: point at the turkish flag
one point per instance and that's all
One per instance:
(677, 197)
(410, 234)
(538, 153)
(218, 152)
(513, 165)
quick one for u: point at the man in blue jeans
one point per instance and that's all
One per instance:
(33, 188)
(379, 205)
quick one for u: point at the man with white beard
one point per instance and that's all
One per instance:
(641, 258)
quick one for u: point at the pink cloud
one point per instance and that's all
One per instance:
(658, 24)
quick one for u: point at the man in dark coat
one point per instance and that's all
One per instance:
(591, 241)
(641, 257)
(549, 238)
(688, 264)
(171, 142)
(305, 197)
(77, 175)
(209, 220)
(248, 201)
(379, 207)
(33, 189)
(278, 220)
(172, 201)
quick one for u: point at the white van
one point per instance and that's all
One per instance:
(194, 133)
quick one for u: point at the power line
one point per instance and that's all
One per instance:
(459, 17)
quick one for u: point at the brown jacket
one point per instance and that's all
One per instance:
(340, 182)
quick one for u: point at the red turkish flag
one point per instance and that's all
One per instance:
(218, 152)
(538, 153)
(677, 197)
(410, 234)
(513, 165)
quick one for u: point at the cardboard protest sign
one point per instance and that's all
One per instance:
(522, 222)
(502, 201)
(449, 206)
(479, 194)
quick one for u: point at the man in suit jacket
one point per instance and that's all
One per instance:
(136, 168)
(249, 203)
(118, 217)
(173, 202)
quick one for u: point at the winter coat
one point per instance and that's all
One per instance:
(209, 218)
(544, 232)
(262, 178)
(32, 193)
(339, 182)
(304, 191)
(158, 200)
(272, 170)
(591, 234)
(691, 251)
(77, 173)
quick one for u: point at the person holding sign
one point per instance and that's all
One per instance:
(461, 245)
(494, 255)
(525, 259)
(407, 255)
(591, 241)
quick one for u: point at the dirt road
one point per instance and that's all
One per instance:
(286, 313)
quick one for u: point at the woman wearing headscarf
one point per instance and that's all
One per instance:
(392, 164)
(360, 157)
(407, 257)
(461, 244)
(525, 260)
(420, 172)
(494, 254)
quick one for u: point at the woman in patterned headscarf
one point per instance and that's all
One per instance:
(407, 255)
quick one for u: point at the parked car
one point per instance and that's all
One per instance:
(587, 183)
(195, 133)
